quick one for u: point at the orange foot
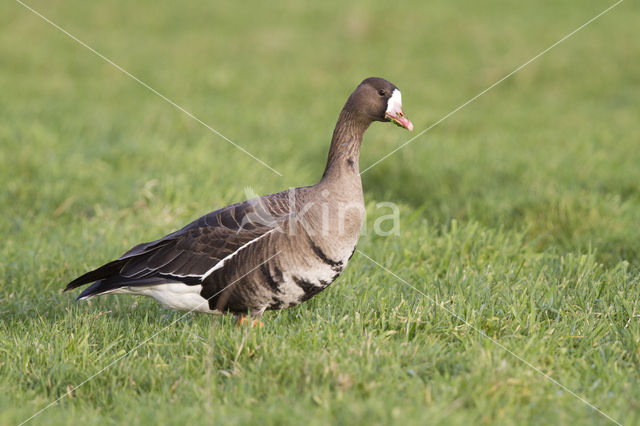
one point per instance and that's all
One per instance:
(244, 320)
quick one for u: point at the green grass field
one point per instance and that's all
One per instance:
(520, 213)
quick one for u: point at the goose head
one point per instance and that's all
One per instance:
(379, 100)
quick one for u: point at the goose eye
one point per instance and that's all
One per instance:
(381, 92)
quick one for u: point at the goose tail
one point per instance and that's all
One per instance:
(102, 279)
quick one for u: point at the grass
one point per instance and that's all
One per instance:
(519, 213)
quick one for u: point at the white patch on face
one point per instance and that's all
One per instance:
(395, 102)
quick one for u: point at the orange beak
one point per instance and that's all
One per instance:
(394, 111)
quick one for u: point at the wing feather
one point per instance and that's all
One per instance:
(193, 250)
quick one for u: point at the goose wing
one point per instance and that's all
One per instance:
(189, 254)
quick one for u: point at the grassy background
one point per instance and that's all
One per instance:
(520, 213)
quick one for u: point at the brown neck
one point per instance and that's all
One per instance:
(345, 145)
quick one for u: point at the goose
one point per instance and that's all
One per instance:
(266, 253)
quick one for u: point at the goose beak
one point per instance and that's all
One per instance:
(394, 111)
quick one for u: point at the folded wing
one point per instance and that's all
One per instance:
(188, 254)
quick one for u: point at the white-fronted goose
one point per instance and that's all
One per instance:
(271, 252)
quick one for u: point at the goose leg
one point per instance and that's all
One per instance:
(253, 320)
